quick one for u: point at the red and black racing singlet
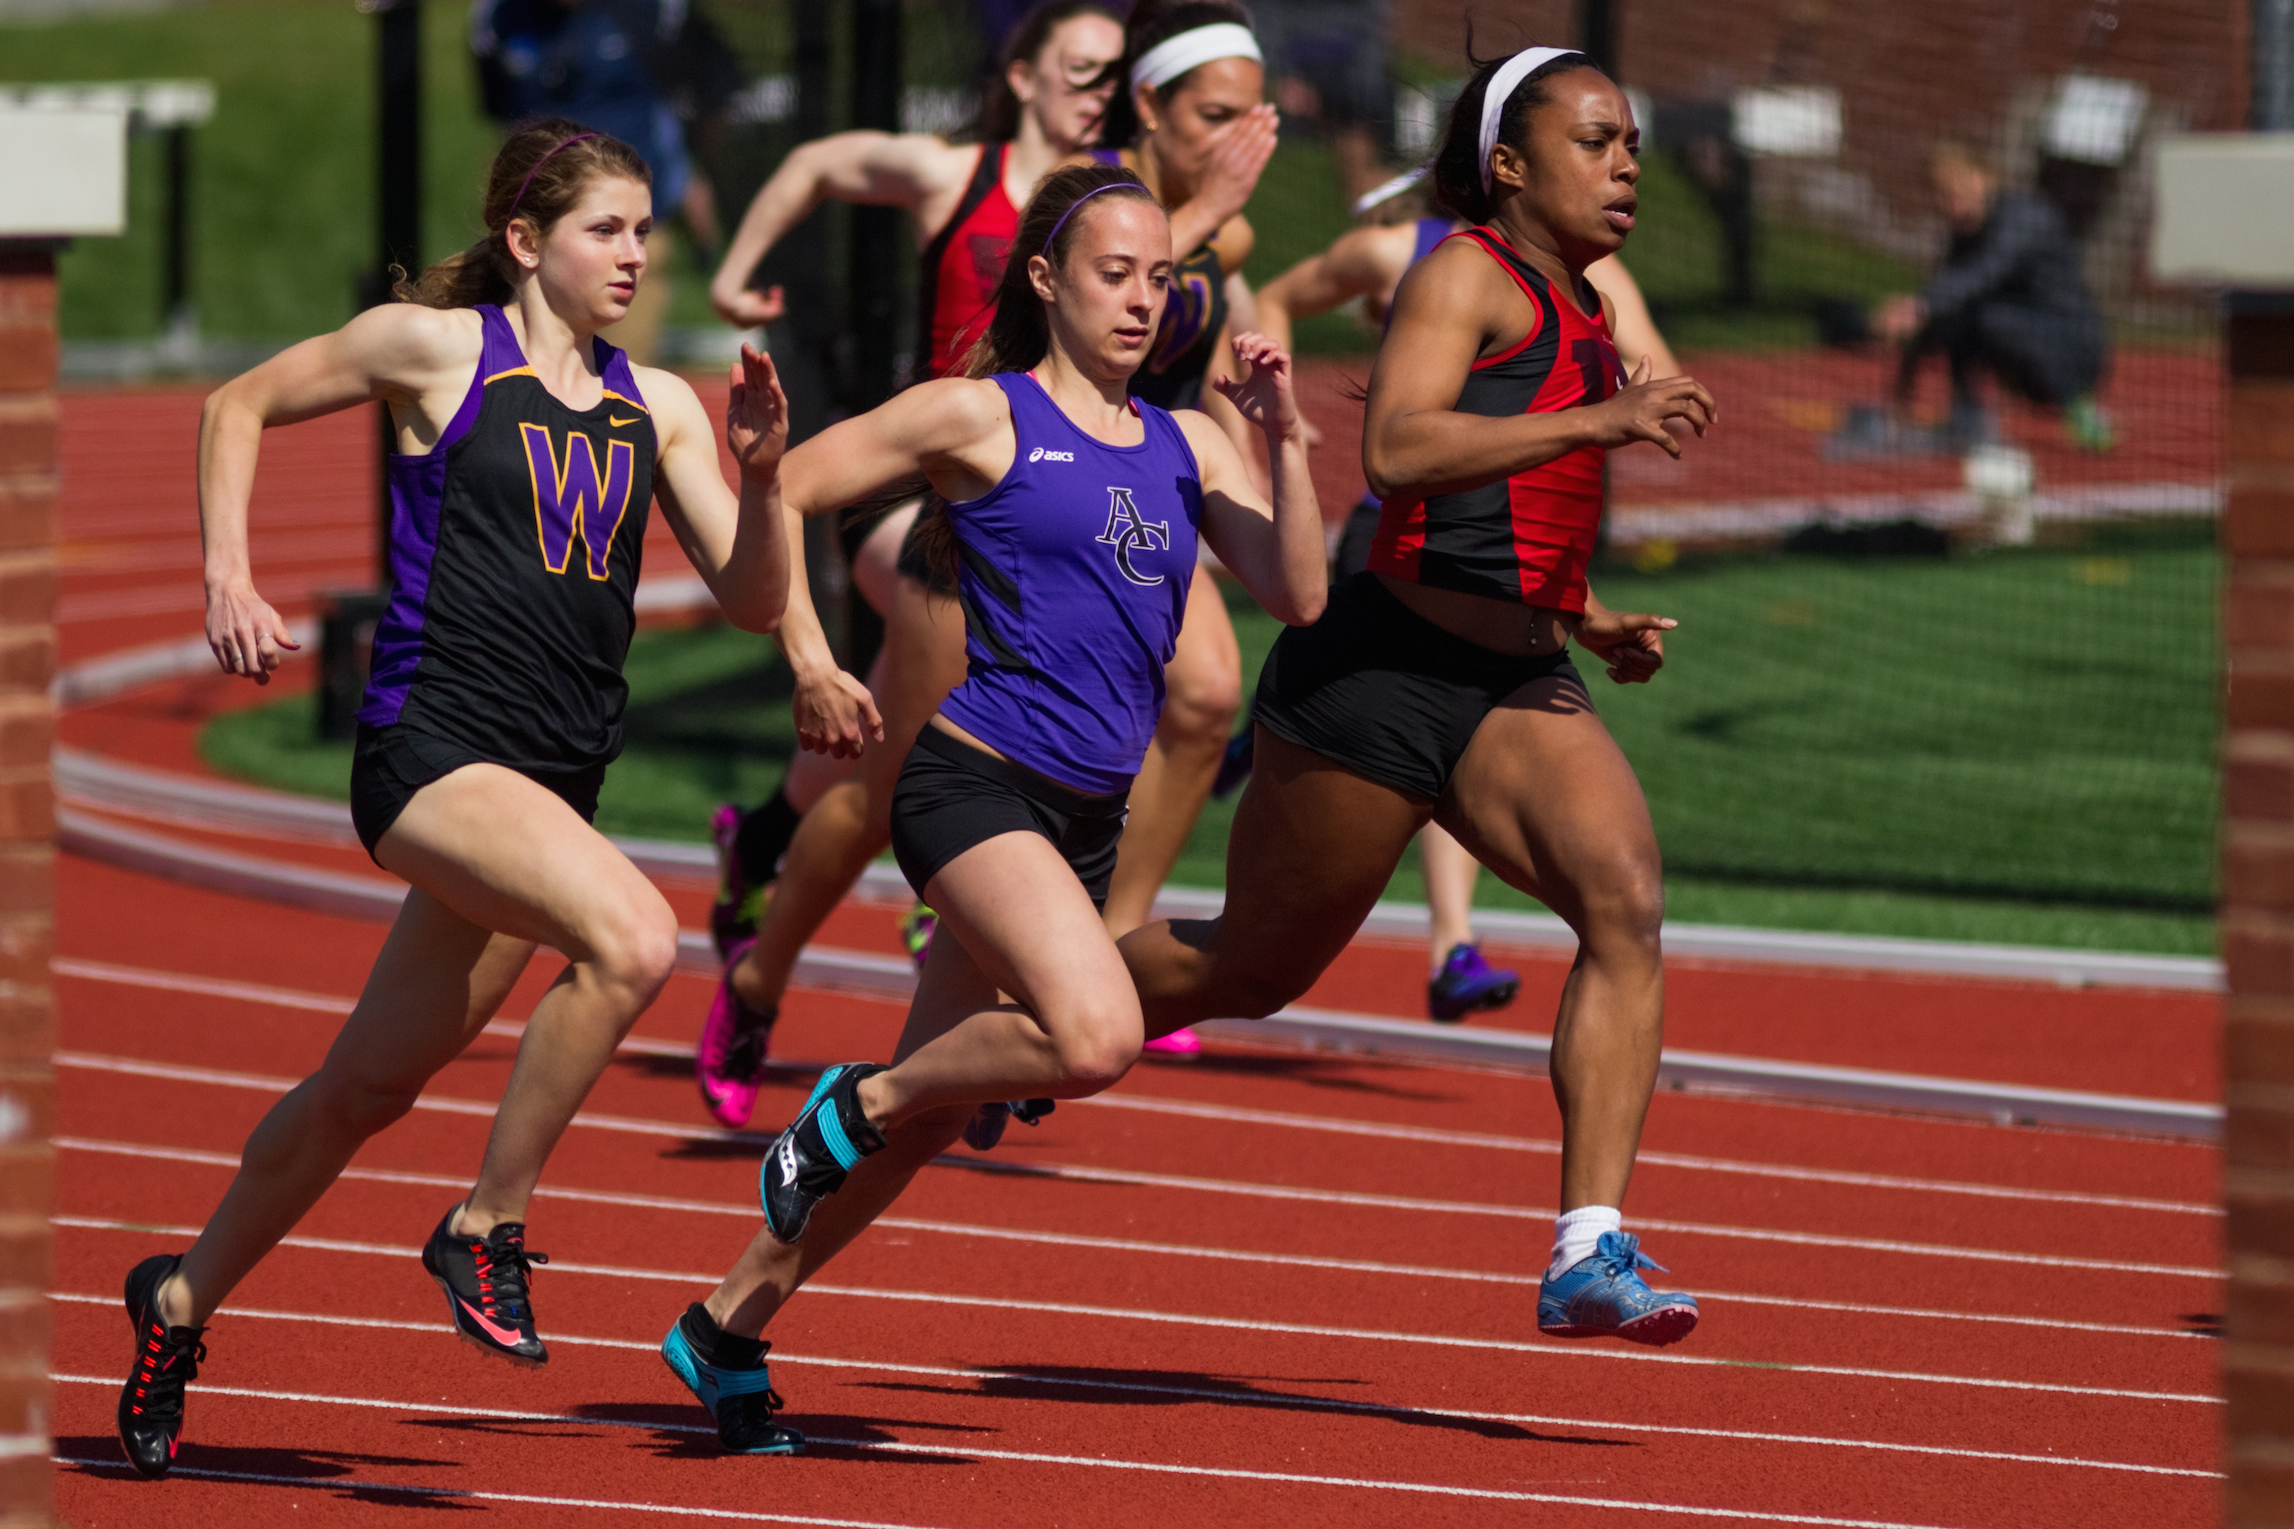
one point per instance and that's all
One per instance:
(1527, 538)
(963, 264)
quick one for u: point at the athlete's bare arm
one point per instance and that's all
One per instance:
(1630, 324)
(1454, 307)
(920, 172)
(955, 431)
(1363, 262)
(1276, 550)
(849, 462)
(739, 546)
(418, 359)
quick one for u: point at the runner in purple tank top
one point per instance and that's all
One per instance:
(1069, 511)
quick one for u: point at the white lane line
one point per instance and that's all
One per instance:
(1275, 1399)
(1188, 1319)
(1161, 1105)
(962, 1453)
(475, 1494)
(478, 1107)
(747, 1212)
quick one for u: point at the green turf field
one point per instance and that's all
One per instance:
(2016, 747)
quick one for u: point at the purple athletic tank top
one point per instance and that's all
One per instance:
(1074, 580)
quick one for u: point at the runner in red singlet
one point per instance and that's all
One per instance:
(963, 198)
(1369, 263)
(1439, 685)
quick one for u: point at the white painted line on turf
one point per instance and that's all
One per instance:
(1122, 1099)
(1186, 1319)
(964, 1452)
(477, 1107)
(1277, 1399)
(748, 1212)
(474, 1494)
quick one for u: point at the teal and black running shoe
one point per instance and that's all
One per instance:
(810, 1159)
(986, 1127)
(740, 1398)
(1603, 1296)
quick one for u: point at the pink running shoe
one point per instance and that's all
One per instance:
(1178, 1046)
(730, 1061)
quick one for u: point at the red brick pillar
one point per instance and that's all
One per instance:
(28, 351)
(2258, 916)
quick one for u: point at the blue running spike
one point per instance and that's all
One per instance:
(1603, 1296)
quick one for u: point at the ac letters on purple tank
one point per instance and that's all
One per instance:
(569, 500)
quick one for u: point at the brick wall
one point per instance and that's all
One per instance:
(1907, 74)
(2258, 921)
(28, 350)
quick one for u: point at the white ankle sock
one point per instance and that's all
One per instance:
(1575, 1234)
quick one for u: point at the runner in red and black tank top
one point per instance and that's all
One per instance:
(962, 265)
(1526, 538)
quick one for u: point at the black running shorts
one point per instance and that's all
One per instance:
(389, 764)
(952, 796)
(1378, 688)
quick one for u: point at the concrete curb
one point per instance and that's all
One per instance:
(94, 781)
(892, 978)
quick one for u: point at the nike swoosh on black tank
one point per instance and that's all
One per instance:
(515, 546)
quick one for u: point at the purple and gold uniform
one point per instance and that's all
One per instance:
(514, 551)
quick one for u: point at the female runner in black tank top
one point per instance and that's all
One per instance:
(1439, 685)
(527, 453)
(1369, 263)
(849, 823)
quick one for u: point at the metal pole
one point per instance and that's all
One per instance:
(176, 312)
(2271, 107)
(1597, 22)
(876, 231)
(398, 177)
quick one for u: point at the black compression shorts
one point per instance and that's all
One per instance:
(952, 796)
(389, 764)
(1379, 689)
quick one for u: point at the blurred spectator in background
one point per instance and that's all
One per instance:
(1326, 64)
(2009, 299)
(622, 67)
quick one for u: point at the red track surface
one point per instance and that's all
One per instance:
(1269, 1287)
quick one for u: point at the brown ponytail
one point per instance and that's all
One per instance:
(1019, 335)
(538, 174)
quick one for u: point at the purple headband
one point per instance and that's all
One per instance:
(1078, 202)
(537, 169)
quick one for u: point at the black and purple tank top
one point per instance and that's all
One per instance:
(514, 552)
(1193, 314)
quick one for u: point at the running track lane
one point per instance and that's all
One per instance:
(1176, 1284)
(1511, 1385)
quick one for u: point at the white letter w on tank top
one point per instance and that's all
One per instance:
(1127, 532)
(569, 501)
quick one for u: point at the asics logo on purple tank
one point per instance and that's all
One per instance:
(1128, 532)
(1041, 455)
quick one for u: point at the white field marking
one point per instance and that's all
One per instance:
(1236, 1324)
(747, 1212)
(1274, 1399)
(472, 1494)
(966, 1452)
(1155, 1104)
(479, 1107)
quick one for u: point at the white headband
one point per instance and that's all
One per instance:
(1508, 78)
(1391, 189)
(1174, 56)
